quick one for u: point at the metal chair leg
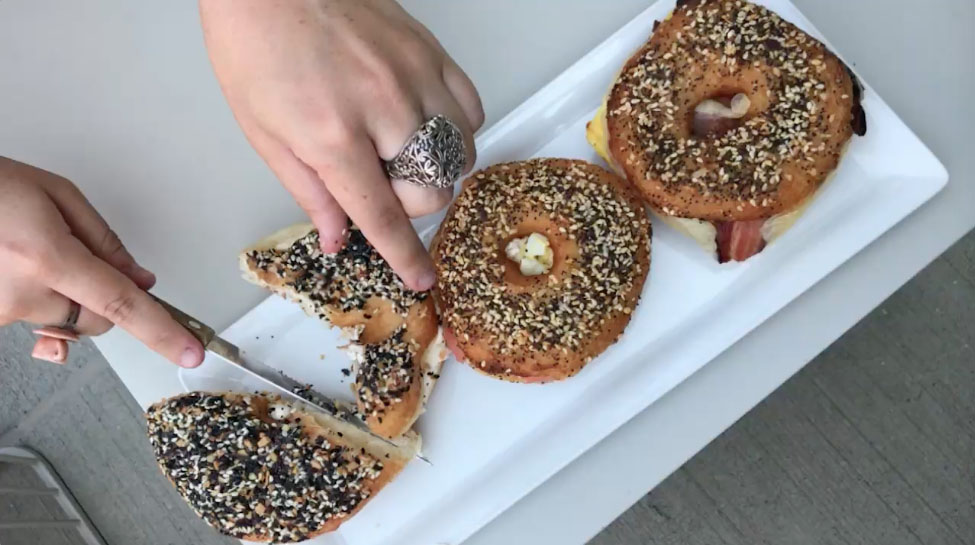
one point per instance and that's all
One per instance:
(54, 487)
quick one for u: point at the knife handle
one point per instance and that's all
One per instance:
(198, 329)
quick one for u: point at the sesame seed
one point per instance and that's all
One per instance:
(386, 373)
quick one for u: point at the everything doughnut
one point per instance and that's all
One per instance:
(540, 264)
(729, 116)
(396, 345)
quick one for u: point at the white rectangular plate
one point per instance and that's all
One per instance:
(492, 442)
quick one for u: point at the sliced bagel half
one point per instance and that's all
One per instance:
(258, 468)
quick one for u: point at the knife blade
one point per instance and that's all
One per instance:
(278, 382)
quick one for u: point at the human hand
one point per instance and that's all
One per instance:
(325, 90)
(56, 250)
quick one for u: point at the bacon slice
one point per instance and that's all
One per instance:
(706, 124)
(719, 115)
(739, 240)
(450, 340)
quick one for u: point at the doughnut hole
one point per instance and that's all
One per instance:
(564, 252)
(707, 124)
(716, 83)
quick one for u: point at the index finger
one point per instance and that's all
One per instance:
(96, 285)
(92, 229)
(356, 179)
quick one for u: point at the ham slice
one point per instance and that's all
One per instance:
(739, 240)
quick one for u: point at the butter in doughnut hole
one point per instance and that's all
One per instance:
(563, 252)
(545, 325)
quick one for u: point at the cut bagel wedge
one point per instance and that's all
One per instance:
(258, 468)
(394, 338)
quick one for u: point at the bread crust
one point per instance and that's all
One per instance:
(381, 315)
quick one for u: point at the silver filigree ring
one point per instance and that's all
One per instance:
(433, 157)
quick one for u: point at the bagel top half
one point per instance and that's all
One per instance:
(545, 326)
(804, 107)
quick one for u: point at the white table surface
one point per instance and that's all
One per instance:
(119, 96)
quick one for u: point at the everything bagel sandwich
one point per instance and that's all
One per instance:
(728, 120)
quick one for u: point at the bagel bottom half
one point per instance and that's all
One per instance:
(258, 468)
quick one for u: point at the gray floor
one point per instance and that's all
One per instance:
(873, 443)
(83, 420)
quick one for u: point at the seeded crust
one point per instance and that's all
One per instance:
(805, 106)
(252, 477)
(541, 328)
(357, 290)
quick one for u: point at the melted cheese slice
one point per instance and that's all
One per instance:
(597, 134)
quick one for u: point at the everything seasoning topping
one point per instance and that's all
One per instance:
(730, 39)
(385, 374)
(563, 311)
(343, 281)
(252, 476)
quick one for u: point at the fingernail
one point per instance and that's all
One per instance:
(426, 281)
(49, 349)
(58, 333)
(335, 245)
(144, 277)
(191, 358)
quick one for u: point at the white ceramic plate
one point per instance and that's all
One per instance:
(492, 442)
